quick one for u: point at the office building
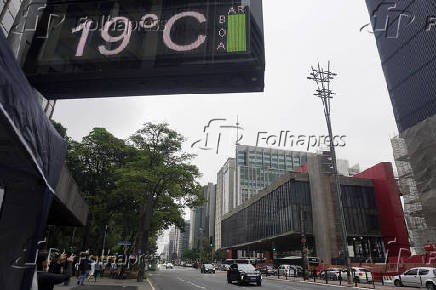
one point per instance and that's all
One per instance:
(271, 224)
(201, 217)
(258, 167)
(242, 177)
(183, 239)
(408, 54)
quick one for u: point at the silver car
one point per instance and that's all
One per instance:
(422, 277)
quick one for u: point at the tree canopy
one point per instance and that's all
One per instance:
(136, 187)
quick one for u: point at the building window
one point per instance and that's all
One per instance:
(251, 159)
(274, 160)
(288, 161)
(281, 161)
(266, 160)
(297, 161)
(242, 158)
(258, 162)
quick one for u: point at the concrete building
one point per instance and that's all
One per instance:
(258, 167)
(201, 216)
(172, 243)
(225, 197)
(210, 213)
(165, 252)
(305, 203)
(419, 231)
(407, 57)
(252, 170)
(68, 207)
(183, 239)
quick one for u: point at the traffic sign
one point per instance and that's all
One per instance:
(125, 243)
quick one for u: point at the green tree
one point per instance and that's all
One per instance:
(220, 255)
(93, 163)
(190, 254)
(161, 180)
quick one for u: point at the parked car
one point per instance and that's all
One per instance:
(169, 266)
(286, 270)
(417, 277)
(332, 274)
(360, 275)
(207, 268)
(268, 270)
(224, 267)
(298, 270)
(244, 273)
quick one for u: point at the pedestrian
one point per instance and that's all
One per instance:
(92, 271)
(46, 279)
(84, 267)
(99, 270)
(114, 269)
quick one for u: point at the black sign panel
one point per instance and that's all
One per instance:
(130, 47)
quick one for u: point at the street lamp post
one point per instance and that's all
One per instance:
(322, 78)
(104, 242)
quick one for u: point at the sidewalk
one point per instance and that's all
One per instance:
(106, 283)
(377, 285)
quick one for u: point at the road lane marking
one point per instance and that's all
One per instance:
(151, 285)
(189, 282)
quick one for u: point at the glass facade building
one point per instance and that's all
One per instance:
(287, 211)
(258, 167)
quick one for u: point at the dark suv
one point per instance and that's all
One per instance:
(244, 273)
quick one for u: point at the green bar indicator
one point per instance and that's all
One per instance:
(237, 33)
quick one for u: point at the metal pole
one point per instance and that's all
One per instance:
(339, 195)
(322, 79)
(104, 242)
(303, 243)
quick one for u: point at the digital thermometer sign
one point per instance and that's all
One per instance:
(119, 48)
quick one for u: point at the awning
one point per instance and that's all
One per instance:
(31, 158)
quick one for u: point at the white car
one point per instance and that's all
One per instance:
(169, 266)
(360, 274)
(422, 277)
(286, 270)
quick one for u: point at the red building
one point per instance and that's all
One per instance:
(392, 223)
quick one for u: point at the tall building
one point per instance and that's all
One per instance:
(258, 167)
(183, 239)
(210, 213)
(419, 230)
(253, 169)
(408, 58)
(8, 13)
(201, 217)
(172, 243)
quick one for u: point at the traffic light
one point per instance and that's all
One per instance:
(211, 242)
(274, 249)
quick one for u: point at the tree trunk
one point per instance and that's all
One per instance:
(143, 237)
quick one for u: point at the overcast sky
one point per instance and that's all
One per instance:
(298, 34)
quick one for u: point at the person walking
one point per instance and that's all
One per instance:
(99, 270)
(47, 280)
(84, 267)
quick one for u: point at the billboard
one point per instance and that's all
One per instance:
(109, 48)
(405, 31)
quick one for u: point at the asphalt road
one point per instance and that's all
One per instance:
(192, 279)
